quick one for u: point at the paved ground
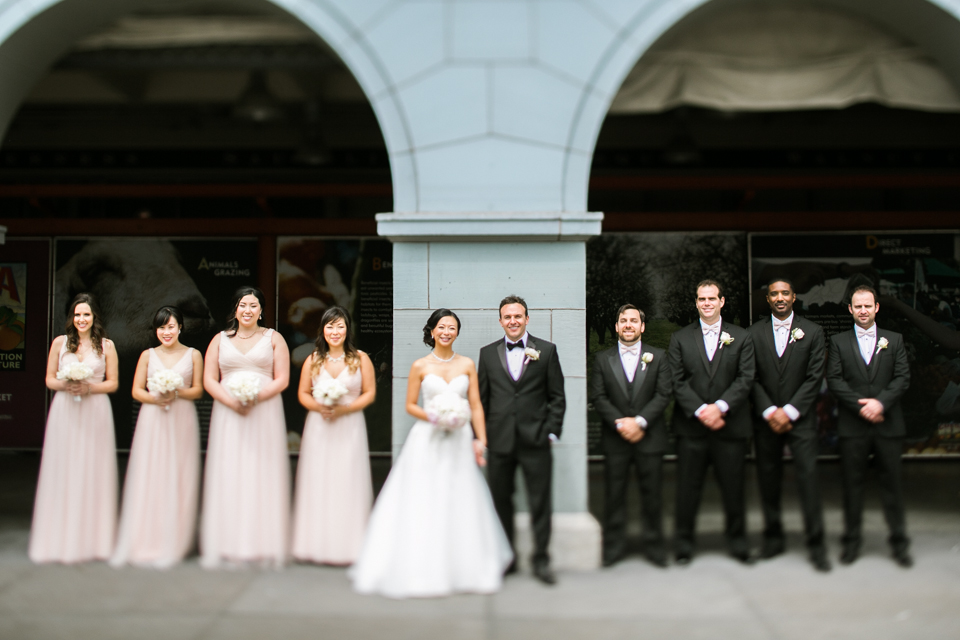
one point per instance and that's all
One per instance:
(712, 598)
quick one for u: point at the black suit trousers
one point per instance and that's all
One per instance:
(649, 469)
(536, 463)
(854, 460)
(694, 457)
(804, 447)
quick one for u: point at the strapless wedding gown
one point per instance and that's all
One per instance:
(433, 530)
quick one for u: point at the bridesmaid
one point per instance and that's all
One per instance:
(246, 494)
(75, 513)
(334, 492)
(158, 519)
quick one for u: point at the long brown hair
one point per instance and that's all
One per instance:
(352, 359)
(97, 332)
(232, 323)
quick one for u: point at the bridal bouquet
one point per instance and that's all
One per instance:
(244, 386)
(328, 392)
(164, 381)
(448, 411)
(75, 372)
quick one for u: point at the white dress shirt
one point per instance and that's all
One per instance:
(630, 358)
(711, 340)
(515, 356)
(781, 332)
(867, 339)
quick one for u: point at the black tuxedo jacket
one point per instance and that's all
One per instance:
(886, 379)
(613, 397)
(528, 409)
(697, 380)
(793, 378)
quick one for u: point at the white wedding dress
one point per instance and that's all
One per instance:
(433, 530)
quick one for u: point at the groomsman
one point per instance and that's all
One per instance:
(521, 390)
(630, 388)
(712, 365)
(790, 355)
(867, 372)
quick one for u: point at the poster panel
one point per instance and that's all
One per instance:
(658, 272)
(24, 312)
(917, 276)
(132, 278)
(314, 274)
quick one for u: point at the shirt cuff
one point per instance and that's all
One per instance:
(724, 407)
(791, 412)
(769, 412)
(700, 410)
(553, 438)
(641, 421)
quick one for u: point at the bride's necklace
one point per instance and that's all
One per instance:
(337, 359)
(443, 359)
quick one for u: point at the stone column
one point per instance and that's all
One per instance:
(468, 263)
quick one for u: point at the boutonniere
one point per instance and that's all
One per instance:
(531, 354)
(725, 338)
(796, 334)
(882, 343)
(646, 359)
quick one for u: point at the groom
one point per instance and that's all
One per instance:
(521, 390)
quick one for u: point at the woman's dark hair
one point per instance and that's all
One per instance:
(352, 356)
(432, 323)
(232, 323)
(164, 314)
(97, 332)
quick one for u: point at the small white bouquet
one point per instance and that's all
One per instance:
(164, 381)
(75, 372)
(244, 386)
(448, 411)
(328, 392)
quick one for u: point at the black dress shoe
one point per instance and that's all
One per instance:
(544, 574)
(612, 560)
(849, 554)
(745, 557)
(903, 558)
(683, 558)
(772, 547)
(818, 558)
(511, 568)
(656, 557)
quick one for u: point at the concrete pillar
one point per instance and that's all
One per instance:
(468, 263)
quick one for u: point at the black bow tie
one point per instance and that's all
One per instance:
(514, 345)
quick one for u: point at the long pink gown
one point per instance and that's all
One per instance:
(75, 513)
(159, 516)
(246, 494)
(334, 493)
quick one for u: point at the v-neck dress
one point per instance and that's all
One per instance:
(245, 517)
(334, 493)
(75, 513)
(159, 516)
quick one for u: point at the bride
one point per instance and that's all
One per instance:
(433, 530)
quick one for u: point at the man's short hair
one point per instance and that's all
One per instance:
(774, 281)
(864, 288)
(514, 300)
(627, 307)
(709, 283)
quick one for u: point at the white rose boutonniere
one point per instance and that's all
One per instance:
(531, 355)
(725, 339)
(882, 343)
(646, 359)
(796, 334)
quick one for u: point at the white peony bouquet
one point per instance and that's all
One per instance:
(164, 381)
(448, 411)
(328, 392)
(244, 386)
(75, 372)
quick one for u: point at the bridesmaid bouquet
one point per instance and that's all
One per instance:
(328, 392)
(448, 411)
(75, 372)
(244, 386)
(164, 381)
